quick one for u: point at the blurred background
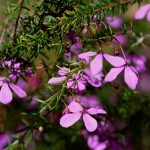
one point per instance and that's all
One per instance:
(135, 106)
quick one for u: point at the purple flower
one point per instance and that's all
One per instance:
(140, 63)
(87, 56)
(121, 39)
(63, 76)
(95, 144)
(5, 92)
(130, 73)
(96, 64)
(76, 47)
(115, 21)
(143, 12)
(76, 112)
(76, 81)
(4, 140)
(94, 80)
(87, 101)
(14, 68)
(106, 137)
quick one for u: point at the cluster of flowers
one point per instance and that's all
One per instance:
(93, 74)
(105, 137)
(12, 71)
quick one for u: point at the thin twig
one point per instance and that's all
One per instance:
(3, 31)
(113, 5)
(21, 2)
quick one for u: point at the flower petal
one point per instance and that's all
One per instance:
(96, 64)
(56, 80)
(94, 111)
(20, 92)
(93, 80)
(87, 54)
(115, 22)
(115, 61)
(112, 74)
(81, 86)
(130, 78)
(2, 78)
(5, 94)
(63, 71)
(69, 119)
(101, 146)
(70, 84)
(75, 107)
(141, 13)
(76, 47)
(90, 122)
(93, 141)
(1, 82)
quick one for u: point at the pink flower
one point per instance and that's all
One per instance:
(115, 21)
(140, 63)
(4, 140)
(94, 80)
(130, 73)
(76, 47)
(58, 80)
(5, 92)
(121, 39)
(76, 112)
(95, 144)
(96, 64)
(76, 81)
(87, 56)
(143, 12)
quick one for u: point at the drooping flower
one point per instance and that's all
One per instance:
(130, 73)
(76, 112)
(75, 81)
(5, 91)
(115, 21)
(58, 80)
(143, 12)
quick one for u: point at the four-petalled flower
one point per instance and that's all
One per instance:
(76, 111)
(130, 73)
(5, 91)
